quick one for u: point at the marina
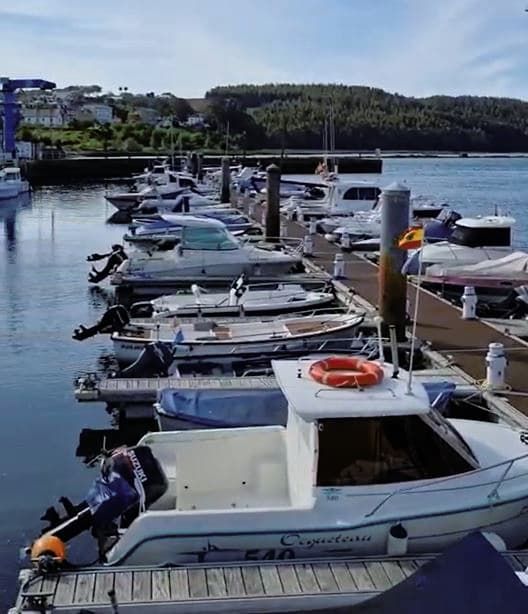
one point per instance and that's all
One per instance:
(451, 350)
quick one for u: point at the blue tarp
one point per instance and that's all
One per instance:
(231, 408)
(471, 577)
(225, 408)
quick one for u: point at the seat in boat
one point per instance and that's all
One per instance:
(300, 328)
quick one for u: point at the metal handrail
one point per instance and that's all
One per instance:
(493, 494)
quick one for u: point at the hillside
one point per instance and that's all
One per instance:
(293, 116)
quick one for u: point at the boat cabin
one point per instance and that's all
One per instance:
(334, 438)
(487, 231)
(205, 234)
(11, 173)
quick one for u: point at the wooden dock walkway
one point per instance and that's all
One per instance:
(145, 389)
(439, 322)
(273, 586)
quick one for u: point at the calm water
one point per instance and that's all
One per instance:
(44, 295)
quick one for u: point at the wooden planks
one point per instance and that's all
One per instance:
(214, 583)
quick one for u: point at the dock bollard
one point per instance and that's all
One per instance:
(313, 226)
(345, 240)
(495, 367)
(308, 245)
(469, 303)
(339, 266)
(300, 215)
(252, 208)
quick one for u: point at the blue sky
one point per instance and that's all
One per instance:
(414, 47)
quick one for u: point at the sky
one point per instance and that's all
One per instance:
(413, 47)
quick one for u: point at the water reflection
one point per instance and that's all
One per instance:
(9, 209)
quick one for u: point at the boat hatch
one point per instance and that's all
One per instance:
(389, 449)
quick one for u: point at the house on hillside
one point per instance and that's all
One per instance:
(196, 121)
(101, 113)
(49, 115)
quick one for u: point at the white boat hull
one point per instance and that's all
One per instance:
(240, 539)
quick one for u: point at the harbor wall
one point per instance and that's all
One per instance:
(71, 170)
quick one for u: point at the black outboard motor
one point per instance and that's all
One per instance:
(114, 320)
(115, 258)
(131, 479)
(154, 361)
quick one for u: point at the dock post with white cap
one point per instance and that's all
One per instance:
(469, 303)
(339, 266)
(225, 196)
(272, 202)
(496, 367)
(395, 204)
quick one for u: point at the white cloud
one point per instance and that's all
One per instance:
(450, 47)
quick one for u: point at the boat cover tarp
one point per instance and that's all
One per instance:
(238, 407)
(230, 408)
(513, 265)
(470, 577)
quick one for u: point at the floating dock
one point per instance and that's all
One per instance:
(274, 586)
(463, 343)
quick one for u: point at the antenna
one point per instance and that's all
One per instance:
(378, 320)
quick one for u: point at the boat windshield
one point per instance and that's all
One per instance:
(206, 238)
(481, 237)
(389, 449)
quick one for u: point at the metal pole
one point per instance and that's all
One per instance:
(273, 202)
(226, 181)
(395, 204)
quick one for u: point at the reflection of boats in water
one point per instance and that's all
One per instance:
(9, 209)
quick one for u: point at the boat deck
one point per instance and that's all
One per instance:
(271, 586)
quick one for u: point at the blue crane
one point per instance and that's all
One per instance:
(9, 107)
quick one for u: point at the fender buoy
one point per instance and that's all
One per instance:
(346, 372)
(49, 545)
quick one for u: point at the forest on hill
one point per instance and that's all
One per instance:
(293, 116)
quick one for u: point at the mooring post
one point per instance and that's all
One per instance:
(273, 202)
(194, 164)
(199, 165)
(395, 204)
(226, 181)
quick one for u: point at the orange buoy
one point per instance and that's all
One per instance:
(49, 545)
(346, 372)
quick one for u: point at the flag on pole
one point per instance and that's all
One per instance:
(412, 238)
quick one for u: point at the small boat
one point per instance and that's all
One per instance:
(473, 240)
(208, 339)
(342, 198)
(207, 252)
(125, 201)
(363, 454)
(243, 299)
(11, 183)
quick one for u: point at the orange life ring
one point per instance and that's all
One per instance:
(346, 372)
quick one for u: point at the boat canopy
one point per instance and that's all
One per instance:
(313, 401)
(512, 265)
(487, 231)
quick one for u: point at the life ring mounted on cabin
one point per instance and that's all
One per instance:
(346, 372)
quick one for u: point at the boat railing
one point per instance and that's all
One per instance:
(431, 486)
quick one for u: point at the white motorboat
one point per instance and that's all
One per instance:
(11, 183)
(207, 251)
(128, 200)
(474, 239)
(209, 339)
(243, 298)
(351, 464)
(343, 198)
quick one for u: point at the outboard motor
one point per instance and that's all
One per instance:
(131, 480)
(115, 258)
(154, 361)
(113, 320)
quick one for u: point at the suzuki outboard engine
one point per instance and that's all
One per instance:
(115, 258)
(154, 361)
(114, 320)
(131, 479)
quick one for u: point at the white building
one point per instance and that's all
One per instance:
(195, 120)
(49, 116)
(102, 113)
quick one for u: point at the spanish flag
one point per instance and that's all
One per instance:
(412, 238)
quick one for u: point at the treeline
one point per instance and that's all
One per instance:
(293, 116)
